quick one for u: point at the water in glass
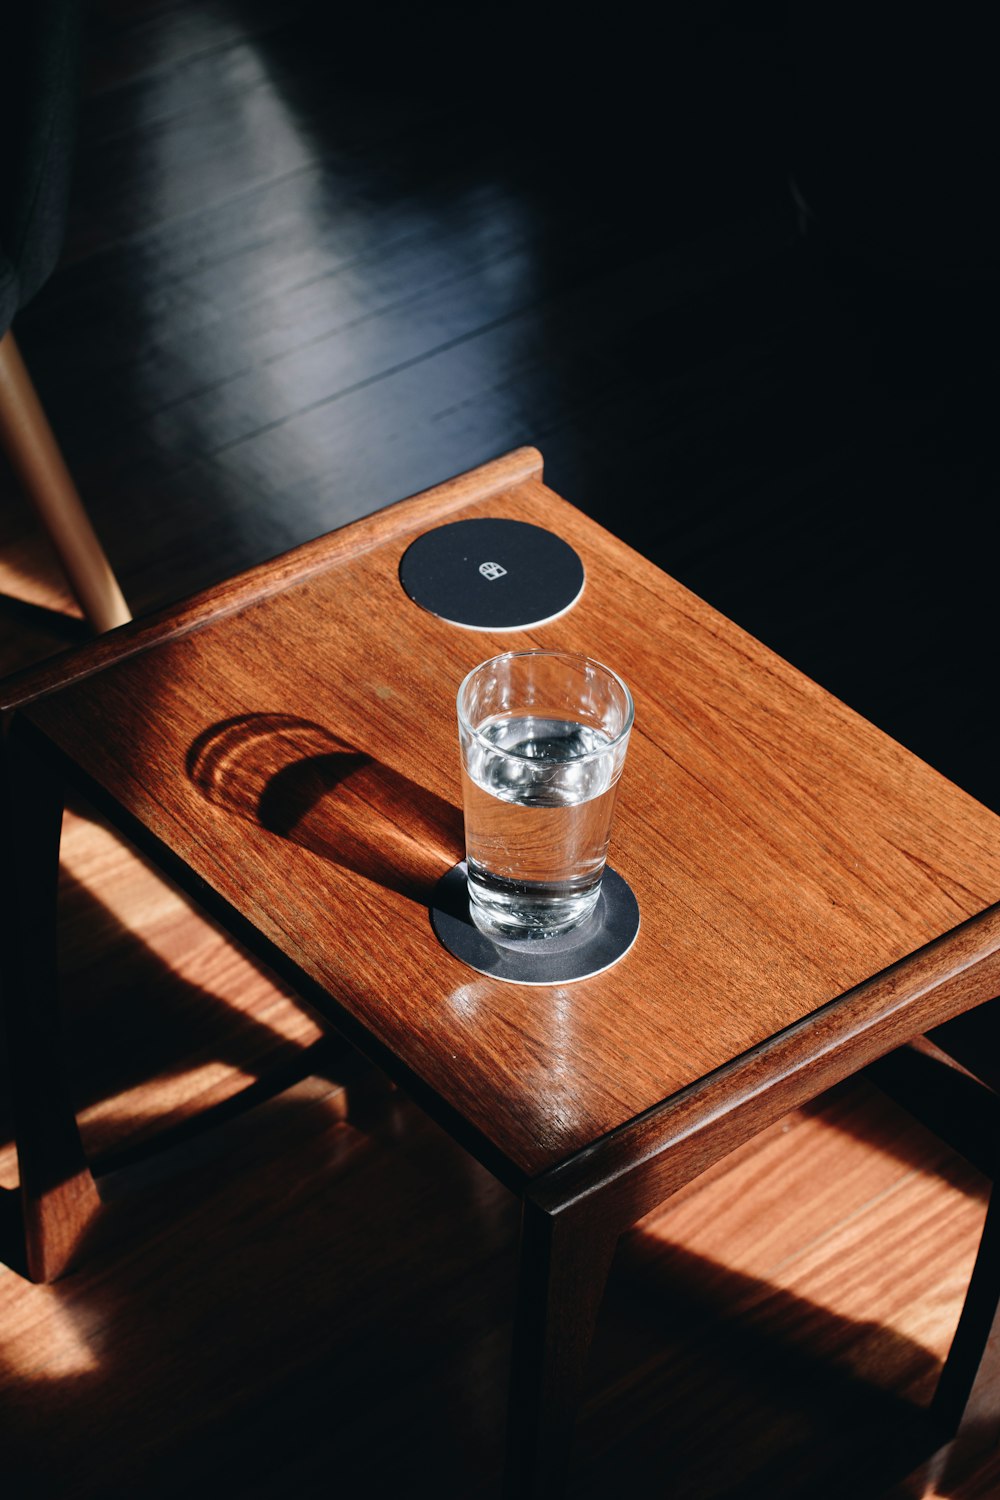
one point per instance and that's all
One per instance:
(538, 803)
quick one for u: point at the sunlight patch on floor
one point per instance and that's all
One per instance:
(44, 1337)
(848, 1223)
(136, 899)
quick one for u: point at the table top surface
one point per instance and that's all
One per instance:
(292, 740)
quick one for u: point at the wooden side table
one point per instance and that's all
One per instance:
(284, 746)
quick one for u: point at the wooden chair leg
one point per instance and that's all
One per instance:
(967, 1401)
(563, 1273)
(58, 1195)
(35, 456)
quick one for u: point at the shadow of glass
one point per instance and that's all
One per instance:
(298, 780)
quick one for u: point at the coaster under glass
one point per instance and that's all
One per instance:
(597, 944)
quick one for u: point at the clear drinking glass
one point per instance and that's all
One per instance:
(543, 736)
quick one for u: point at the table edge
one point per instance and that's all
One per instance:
(636, 1166)
(641, 1161)
(268, 578)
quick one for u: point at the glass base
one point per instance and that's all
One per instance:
(519, 915)
(581, 953)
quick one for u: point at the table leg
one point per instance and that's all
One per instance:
(58, 1196)
(563, 1271)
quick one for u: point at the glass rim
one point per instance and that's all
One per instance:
(569, 656)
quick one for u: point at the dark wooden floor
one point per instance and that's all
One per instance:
(313, 265)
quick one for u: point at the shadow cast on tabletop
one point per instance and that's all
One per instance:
(298, 780)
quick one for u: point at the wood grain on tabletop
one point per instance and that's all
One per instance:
(782, 849)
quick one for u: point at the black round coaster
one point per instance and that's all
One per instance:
(604, 938)
(492, 574)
